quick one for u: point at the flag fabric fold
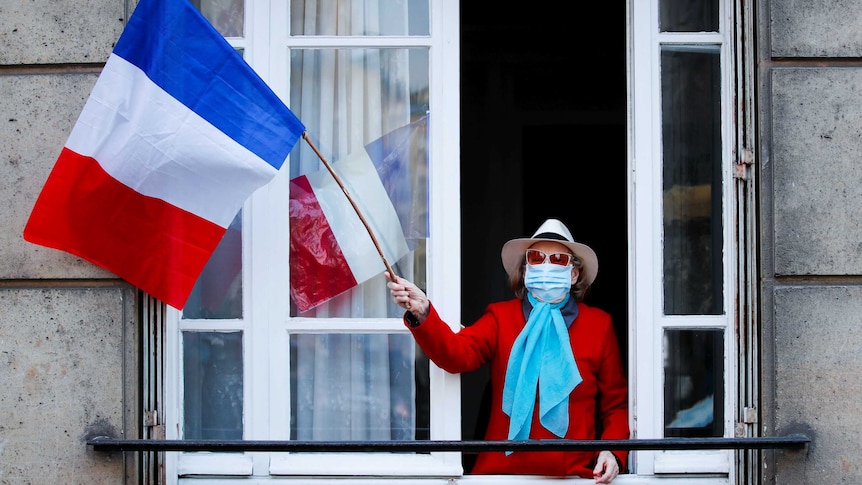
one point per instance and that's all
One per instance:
(177, 133)
(330, 249)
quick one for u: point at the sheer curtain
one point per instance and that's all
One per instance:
(351, 386)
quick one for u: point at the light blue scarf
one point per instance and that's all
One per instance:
(541, 358)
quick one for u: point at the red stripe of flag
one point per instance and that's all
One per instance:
(318, 269)
(156, 246)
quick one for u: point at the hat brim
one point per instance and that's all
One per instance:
(514, 250)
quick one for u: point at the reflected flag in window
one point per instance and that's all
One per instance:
(330, 249)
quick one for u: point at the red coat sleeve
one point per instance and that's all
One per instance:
(464, 351)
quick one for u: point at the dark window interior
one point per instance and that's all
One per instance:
(543, 134)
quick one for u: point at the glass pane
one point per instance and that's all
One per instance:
(694, 383)
(213, 385)
(692, 186)
(358, 387)
(359, 17)
(218, 292)
(688, 15)
(227, 16)
(366, 111)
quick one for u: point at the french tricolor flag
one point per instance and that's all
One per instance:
(330, 249)
(177, 133)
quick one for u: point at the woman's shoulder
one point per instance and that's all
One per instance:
(504, 312)
(593, 313)
(505, 306)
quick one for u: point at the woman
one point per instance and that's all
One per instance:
(545, 346)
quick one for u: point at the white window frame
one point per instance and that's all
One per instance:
(647, 322)
(267, 321)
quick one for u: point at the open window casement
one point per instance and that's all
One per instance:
(689, 233)
(245, 361)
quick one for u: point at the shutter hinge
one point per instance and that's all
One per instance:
(746, 159)
(151, 418)
(749, 419)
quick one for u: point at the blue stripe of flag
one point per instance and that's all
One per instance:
(392, 155)
(182, 53)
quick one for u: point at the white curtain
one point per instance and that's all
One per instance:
(351, 386)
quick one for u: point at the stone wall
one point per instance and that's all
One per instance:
(811, 195)
(67, 328)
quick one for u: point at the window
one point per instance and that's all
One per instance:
(684, 284)
(248, 361)
(255, 358)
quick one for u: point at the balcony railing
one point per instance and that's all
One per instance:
(792, 442)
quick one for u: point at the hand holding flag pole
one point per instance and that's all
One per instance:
(392, 274)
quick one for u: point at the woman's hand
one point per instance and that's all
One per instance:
(407, 295)
(606, 468)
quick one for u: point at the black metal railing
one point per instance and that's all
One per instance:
(791, 442)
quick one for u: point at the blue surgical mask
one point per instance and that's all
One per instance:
(548, 282)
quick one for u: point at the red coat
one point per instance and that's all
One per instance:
(601, 396)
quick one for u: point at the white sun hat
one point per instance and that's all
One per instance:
(554, 231)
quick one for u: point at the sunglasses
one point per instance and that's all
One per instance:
(534, 256)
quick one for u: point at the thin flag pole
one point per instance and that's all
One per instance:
(352, 202)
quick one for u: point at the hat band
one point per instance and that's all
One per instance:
(550, 235)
